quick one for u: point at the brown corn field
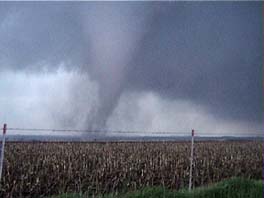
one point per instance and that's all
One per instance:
(42, 169)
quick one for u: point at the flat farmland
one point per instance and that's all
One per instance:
(39, 169)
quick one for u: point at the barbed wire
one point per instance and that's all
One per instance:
(144, 132)
(97, 131)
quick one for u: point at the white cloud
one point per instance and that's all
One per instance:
(67, 99)
(148, 111)
(46, 100)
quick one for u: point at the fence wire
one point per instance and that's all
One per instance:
(98, 131)
(141, 132)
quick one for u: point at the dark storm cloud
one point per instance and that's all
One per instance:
(206, 52)
(36, 34)
(97, 38)
(209, 53)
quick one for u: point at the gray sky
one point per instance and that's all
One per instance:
(169, 66)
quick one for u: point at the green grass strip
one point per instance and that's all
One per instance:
(231, 188)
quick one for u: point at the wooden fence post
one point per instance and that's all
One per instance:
(191, 161)
(2, 151)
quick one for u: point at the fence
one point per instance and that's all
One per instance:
(92, 131)
(5, 129)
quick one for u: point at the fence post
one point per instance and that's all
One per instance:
(191, 161)
(2, 151)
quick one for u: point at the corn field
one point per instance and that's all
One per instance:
(42, 169)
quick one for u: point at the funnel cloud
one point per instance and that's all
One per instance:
(168, 66)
